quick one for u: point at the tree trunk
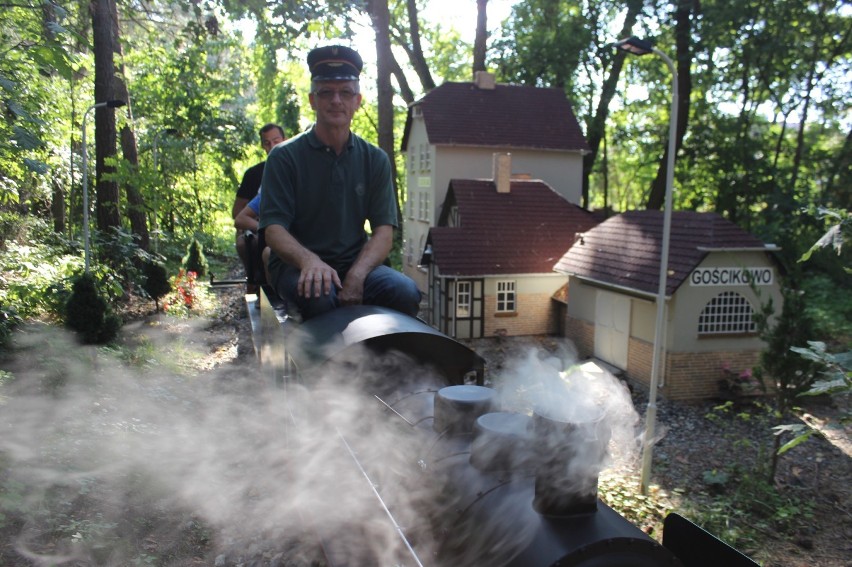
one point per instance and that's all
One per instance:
(136, 209)
(479, 43)
(415, 53)
(57, 207)
(404, 88)
(380, 18)
(106, 191)
(597, 126)
(683, 64)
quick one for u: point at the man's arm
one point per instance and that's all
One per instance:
(316, 276)
(247, 220)
(372, 254)
(239, 204)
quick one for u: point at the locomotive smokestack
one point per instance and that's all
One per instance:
(570, 457)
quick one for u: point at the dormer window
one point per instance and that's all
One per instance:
(453, 217)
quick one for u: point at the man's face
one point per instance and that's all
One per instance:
(270, 138)
(335, 102)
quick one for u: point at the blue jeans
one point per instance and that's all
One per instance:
(384, 286)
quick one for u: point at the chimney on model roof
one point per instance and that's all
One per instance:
(484, 80)
(502, 172)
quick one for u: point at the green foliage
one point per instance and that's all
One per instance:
(746, 507)
(9, 321)
(544, 42)
(195, 260)
(715, 478)
(839, 230)
(120, 251)
(835, 369)
(780, 369)
(740, 502)
(33, 67)
(627, 499)
(156, 283)
(33, 266)
(829, 305)
(88, 313)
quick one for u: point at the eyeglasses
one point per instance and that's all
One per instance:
(344, 94)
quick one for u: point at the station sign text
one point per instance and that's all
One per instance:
(731, 276)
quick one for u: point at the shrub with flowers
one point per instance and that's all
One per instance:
(184, 295)
(741, 383)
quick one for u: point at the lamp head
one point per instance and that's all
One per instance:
(635, 46)
(115, 103)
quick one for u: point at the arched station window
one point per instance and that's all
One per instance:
(727, 313)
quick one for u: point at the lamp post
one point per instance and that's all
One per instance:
(638, 46)
(108, 104)
(156, 223)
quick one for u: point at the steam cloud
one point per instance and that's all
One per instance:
(255, 463)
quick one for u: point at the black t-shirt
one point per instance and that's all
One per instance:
(251, 181)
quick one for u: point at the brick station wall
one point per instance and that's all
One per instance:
(687, 375)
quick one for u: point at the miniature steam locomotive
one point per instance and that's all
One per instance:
(451, 476)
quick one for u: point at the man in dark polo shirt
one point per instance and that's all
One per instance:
(270, 134)
(319, 188)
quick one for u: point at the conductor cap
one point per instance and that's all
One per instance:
(335, 63)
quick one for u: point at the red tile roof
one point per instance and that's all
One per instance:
(625, 250)
(508, 116)
(524, 231)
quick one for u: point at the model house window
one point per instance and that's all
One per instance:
(423, 206)
(453, 218)
(728, 312)
(505, 296)
(409, 252)
(462, 299)
(411, 167)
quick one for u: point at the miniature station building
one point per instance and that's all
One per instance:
(718, 277)
(492, 229)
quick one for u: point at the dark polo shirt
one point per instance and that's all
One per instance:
(251, 182)
(323, 199)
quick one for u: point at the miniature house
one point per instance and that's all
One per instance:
(718, 276)
(490, 259)
(452, 132)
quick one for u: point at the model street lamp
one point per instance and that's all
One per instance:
(107, 104)
(638, 46)
(156, 223)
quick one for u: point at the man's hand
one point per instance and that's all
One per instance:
(352, 292)
(317, 277)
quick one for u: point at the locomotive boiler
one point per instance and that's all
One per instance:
(465, 480)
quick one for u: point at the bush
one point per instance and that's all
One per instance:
(156, 283)
(88, 313)
(195, 261)
(9, 319)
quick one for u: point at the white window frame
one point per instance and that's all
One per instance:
(727, 313)
(463, 299)
(507, 299)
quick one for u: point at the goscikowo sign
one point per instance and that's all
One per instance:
(731, 276)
